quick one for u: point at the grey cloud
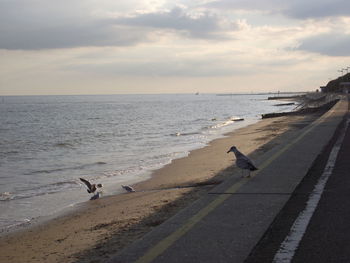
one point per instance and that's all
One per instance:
(33, 25)
(204, 26)
(331, 44)
(262, 5)
(33, 38)
(299, 9)
(318, 9)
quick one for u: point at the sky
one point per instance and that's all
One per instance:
(161, 46)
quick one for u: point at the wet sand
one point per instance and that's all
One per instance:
(102, 227)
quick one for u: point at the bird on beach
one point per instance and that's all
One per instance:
(91, 188)
(243, 161)
(128, 188)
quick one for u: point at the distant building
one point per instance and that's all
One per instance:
(345, 87)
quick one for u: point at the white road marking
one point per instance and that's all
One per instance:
(291, 242)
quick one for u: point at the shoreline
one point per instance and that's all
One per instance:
(76, 207)
(78, 234)
(147, 175)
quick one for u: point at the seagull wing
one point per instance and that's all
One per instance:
(242, 163)
(89, 186)
(245, 163)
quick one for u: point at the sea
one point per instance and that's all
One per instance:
(48, 142)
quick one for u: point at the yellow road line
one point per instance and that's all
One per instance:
(169, 240)
(165, 243)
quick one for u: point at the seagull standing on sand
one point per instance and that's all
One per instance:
(92, 188)
(128, 188)
(243, 161)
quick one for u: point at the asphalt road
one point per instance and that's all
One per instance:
(327, 237)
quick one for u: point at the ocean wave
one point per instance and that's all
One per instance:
(10, 152)
(120, 172)
(64, 145)
(39, 190)
(79, 167)
(227, 122)
(185, 133)
(6, 224)
(72, 143)
(157, 162)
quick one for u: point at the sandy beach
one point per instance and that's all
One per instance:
(101, 228)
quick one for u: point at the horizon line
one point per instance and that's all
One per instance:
(189, 93)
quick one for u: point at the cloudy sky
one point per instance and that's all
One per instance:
(162, 46)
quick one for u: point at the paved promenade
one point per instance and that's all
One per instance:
(248, 218)
(327, 236)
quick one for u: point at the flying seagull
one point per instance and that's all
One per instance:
(91, 188)
(243, 161)
(128, 188)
